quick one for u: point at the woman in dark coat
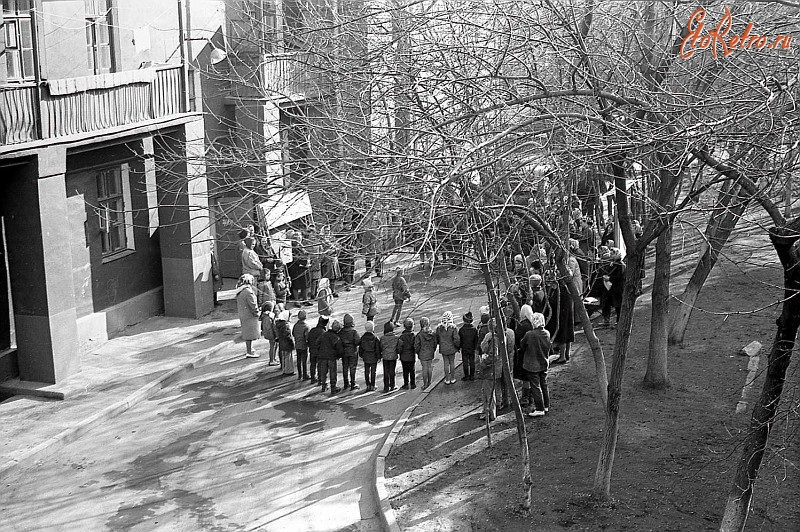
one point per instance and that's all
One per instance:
(565, 334)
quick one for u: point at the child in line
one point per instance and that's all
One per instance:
(449, 343)
(468, 339)
(405, 350)
(369, 349)
(281, 291)
(285, 343)
(300, 334)
(425, 347)
(536, 346)
(268, 330)
(350, 339)
(389, 356)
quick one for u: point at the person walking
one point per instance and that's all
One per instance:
(248, 312)
(324, 297)
(369, 349)
(491, 372)
(389, 356)
(350, 339)
(408, 358)
(369, 301)
(400, 294)
(537, 346)
(329, 351)
(468, 340)
(268, 330)
(425, 348)
(448, 341)
(316, 332)
(285, 343)
(300, 334)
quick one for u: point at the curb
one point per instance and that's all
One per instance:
(71, 434)
(386, 514)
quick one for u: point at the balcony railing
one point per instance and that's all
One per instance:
(90, 106)
(295, 74)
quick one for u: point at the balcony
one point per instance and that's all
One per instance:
(63, 108)
(295, 75)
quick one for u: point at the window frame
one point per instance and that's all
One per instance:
(98, 15)
(19, 17)
(123, 221)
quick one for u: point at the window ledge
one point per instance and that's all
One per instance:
(118, 255)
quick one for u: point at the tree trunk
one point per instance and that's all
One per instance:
(605, 463)
(656, 375)
(787, 244)
(718, 231)
(588, 329)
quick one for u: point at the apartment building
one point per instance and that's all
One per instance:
(104, 215)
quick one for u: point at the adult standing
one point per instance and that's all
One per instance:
(369, 301)
(400, 294)
(248, 312)
(251, 265)
(330, 349)
(524, 326)
(298, 273)
(613, 276)
(565, 334)
(216, 277)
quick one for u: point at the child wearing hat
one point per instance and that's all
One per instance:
(268, 330)
(425, 347)
(350, 339)
(369, 349)
(408, 358)
(285, 343)
(468, 337)
(300, 334)
(449, 343)
(389, 356)
(313, 349)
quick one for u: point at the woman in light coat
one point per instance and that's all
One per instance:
(449, 342)
(248, 312)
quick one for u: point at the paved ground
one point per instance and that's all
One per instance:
(233, 446)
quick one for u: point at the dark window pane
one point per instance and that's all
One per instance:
(27, 63)
(12, 64)
(9, 6)
(26, 33)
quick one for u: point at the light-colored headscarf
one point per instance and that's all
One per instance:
(535, 281)
(538, 320)
(447, 319)
(323, 284)
(367, 283)
(526, 313)
(283, 316)
(244, 282)
(484, 310)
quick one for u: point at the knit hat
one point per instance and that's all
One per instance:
(301, 315)
(369, 326)
(388, 327)
(467, 317)
(484, 310)
(336, 326)
(447, 318)
(348, 320)
(323, 321)
(408, 324)
(424, 322)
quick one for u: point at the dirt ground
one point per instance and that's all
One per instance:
(676, 449)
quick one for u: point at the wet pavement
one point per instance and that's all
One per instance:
(233, 446)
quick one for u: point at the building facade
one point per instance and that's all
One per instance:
(104, 217)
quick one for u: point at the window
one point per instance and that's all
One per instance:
(98, 36)
(19, 40)
(116, 222)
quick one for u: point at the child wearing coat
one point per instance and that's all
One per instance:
(389, 356)
(324, 297)
(468, 339)
(405, 350)
(369, 349)
(425, 348)
(300, 334)
(268, 330)
(449, 342)
(285, 343)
